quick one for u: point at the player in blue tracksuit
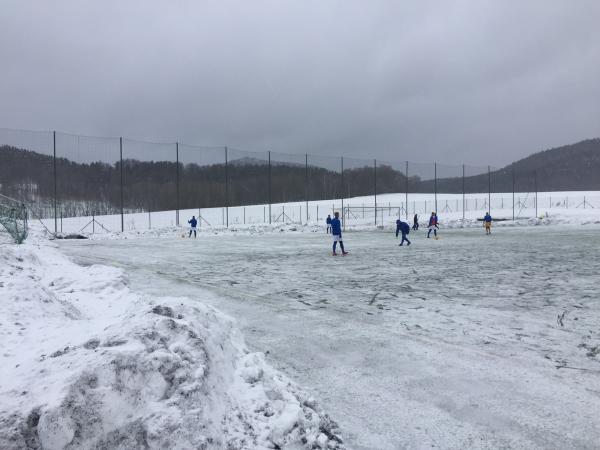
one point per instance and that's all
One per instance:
(487, 223)
(404, 228)
(336, 233)
(328, 222)
(433, 224)
(193, 222)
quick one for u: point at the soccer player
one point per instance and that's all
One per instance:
(433, 225)
(336, 233)
(416, 222)
(487, 223)
(405, 229)
(193, 222)
(328, 222)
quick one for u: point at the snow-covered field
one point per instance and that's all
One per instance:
(361, 212)
(468, 341)
(87, 362)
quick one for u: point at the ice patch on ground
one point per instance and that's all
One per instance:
(87, 363)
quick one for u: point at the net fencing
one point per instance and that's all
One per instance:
(75, 183)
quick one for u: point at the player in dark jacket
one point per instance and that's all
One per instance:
(328, 222)
(416, 222)
(404, 229)
(336, 233)
(433, 224)
(193, 222)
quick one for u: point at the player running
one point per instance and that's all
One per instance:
(404, 228)
(328, 222)
(193, 222)
(487, 223)
(433, 225)
(336, 233)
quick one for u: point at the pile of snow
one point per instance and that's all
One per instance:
(87, 363)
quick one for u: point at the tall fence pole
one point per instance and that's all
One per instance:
(536, 192)
(226, 189)
(55, 183)
(435, 186)
(375, 177)
(269, 180)
(121, 159)
(406, 193)
(342, 178)
(463, 191)
(513, 192)
(177, 181)
(306, 184)
(489, 190)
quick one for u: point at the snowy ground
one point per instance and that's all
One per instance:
(361, 212)
(86, 362)
(464, 342)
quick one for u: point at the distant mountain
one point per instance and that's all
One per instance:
(574, 167)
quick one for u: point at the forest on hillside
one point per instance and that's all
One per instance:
(82, 188)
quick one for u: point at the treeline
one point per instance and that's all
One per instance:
(152, 186)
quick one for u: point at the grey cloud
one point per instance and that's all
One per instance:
(477, 82)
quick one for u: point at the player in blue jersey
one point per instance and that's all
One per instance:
(403, 228)
(336, 233)
(193, 222)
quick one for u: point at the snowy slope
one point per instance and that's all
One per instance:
(88, 363)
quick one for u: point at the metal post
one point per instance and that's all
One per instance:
(55, 186)
(269, 186)
(435, 185)
(177, 181)
(513, 192)
(375, 171)
(306, 187)
(489, 190)
(536, 192)
(342, 178)
(226, 189)
(463, 191)
(121, 158)
(93, 223)
(406, 193)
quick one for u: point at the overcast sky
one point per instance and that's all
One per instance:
(480, 82)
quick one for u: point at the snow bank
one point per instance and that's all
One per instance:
(87, 363)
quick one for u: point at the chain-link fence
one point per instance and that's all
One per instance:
(81, 183)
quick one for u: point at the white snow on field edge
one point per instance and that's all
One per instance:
(451, 221)
(87, 363)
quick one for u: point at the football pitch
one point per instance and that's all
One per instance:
(469, 341)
